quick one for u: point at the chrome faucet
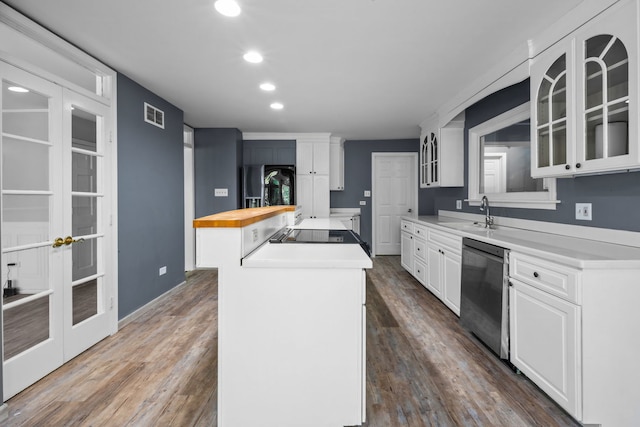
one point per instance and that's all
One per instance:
(484, 207)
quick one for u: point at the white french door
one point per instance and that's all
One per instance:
(53, 241)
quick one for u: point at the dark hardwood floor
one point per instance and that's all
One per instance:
(160, 369)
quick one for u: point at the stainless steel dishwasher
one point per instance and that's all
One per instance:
(484, 301)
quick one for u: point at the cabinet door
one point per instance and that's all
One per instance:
(304, 157)
(607, 90)
(321, 200)
(304, 194)
(336, 153)
(321, 157)
(545, 335)
(553, 112)
(451, 281)
(434, 273)
(406, 251)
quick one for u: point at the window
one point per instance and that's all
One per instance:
(500, 164)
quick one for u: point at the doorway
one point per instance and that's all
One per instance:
(395, 194)
(55, 226)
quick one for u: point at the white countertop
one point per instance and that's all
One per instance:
(573, 251)
(308, 255)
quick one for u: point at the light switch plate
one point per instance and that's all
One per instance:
(221, 192)
(583, 211)
(458, 204)
(363, 202)
(367, 193)
(162, 271)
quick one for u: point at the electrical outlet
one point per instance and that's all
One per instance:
(367, 193)
(458, 204)
(583, 211)
(221, 192)
(163, 270)
(254, 235)
(363, 202)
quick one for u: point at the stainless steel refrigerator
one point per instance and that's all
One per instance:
(268, 185)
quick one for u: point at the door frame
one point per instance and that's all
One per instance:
(189, 201)
(67, 56)
(374, 213)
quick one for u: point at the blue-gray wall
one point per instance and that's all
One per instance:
(614, 197)
(150, 198)
(357, 176)
(217, 164)
(269, 152)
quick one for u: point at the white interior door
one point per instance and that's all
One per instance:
(32, 204)
(53, 226)
(395, 194)
(495, 173)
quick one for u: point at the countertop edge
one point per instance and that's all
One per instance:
(240, 217)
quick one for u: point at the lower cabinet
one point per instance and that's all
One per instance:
(406, 251)
(434, 258)
(545, 343)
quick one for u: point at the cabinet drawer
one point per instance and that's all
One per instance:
(420, 271)
(547, 276)
(420, 249)
(420, 231)
(406, 226)
(446, 241)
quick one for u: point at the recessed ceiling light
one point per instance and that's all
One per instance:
(253, 57)
(18, 89)
(227, 7)
(268, 87)
(277, 106)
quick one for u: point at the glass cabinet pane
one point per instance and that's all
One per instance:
(559, 145)
(543, 147)
(543, 102)
(559, 99)
(593, 127)
(593, 84)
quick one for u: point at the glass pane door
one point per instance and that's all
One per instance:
(31, 201)
(85, 318)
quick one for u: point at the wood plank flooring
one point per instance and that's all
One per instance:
(160, 369)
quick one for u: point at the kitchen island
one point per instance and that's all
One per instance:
(291, 323)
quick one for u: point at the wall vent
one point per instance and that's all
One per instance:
(153, 115)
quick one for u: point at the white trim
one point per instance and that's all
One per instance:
(189, 199)
(528, 200)
(248, 136)
(28, 299)
(132, 317)
(375, 155)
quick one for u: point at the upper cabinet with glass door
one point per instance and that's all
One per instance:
(586, 97)
(442, 155)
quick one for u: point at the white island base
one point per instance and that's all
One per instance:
(291, 327)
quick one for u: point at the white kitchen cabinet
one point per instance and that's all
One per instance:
(312, 157)
(445, 260)
(312, 174)
(434, 259)
(442, 155)
(586, 98)
(545, 343)
(569, 333)
(406, 251)
(336, 164)
(313, 195)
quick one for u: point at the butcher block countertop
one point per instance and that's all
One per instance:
(240, 217)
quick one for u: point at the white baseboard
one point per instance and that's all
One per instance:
(142, 310)
(4, 412)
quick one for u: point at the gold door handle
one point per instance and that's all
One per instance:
(58, 242)
(69, 240)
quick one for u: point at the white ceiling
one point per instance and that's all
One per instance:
(361, 69)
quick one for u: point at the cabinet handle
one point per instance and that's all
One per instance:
(418, 249)
(578, 165)
(535, 274)
(567, 167)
